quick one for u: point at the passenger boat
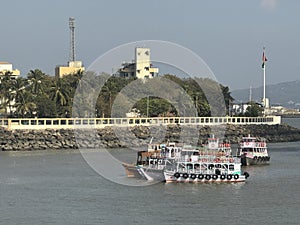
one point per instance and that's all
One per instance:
(170, 162)
(253, 151)
(214, 144)
(151, 163)
(194, 166)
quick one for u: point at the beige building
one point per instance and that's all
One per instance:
(73, 67)
(7, 67)
(141, 67)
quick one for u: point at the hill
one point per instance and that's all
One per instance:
(286, 94)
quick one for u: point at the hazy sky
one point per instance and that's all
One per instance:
(228, 35)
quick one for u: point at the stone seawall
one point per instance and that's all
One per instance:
(28, 140)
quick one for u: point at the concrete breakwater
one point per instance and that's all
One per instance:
(28, 140)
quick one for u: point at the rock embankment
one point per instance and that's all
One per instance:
(28, 140)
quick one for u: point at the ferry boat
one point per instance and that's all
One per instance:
(151, 163)
(197, 167)
(214, 144)
(253, 151)
(185, 163)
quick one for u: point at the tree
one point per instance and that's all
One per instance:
(253, 110)
(45, 107)
(25, 107)
(60, 94)
(35, 78)
(227, 97)
(6, 96)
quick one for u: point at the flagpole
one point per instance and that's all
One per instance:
(264, 94)
(264, 75)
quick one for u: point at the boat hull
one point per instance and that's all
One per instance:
(170, 177)
(152, 174)
(131, 170)
(248, 161)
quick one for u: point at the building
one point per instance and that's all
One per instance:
(141, 67)
(7, 67)
(241, 108)
(282, 111)
(73, 67)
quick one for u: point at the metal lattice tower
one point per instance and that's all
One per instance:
(72, 43)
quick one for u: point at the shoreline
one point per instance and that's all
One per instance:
(66, 139)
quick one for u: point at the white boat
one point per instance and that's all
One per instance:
(253, 151)
(151, 163)
(214, 144)
(172, 162)
(198, 167)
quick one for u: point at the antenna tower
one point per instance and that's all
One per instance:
(72, 43)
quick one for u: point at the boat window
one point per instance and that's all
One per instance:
(189, 166)
(231, 167)
(196, 166)
(225, 166)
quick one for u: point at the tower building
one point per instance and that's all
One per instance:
(73, 66)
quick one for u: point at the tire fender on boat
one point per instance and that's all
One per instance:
(193, 176)
(229, 176)
(200, 176)
(177, 175)
(207, 177)
(236, 176)
(185, 175)
(246, 174)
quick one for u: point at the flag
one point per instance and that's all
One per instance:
(264, 60)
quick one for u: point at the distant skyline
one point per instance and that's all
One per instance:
(227, 35)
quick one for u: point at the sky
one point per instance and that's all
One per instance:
(228, 35)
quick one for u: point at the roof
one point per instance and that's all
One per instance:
(5, 63)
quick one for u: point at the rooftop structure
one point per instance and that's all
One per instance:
(6, 67)
(141, 67)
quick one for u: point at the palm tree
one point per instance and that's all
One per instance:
(35, 78)
(6, 96)
(60, 93)
(227, 97)
(25, 105)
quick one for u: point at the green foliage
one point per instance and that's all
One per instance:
(253, 110)
(45, 107)
(42, 95)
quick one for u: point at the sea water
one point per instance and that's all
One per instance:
(59, 187)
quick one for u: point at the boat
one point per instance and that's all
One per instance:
(217, 147)
(170, 162)
(253, 151)
(151, 163)
(194, 166)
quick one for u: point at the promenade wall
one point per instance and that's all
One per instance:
(98, 123)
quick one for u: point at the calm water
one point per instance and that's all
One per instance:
(60, 188)
(295, 122)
